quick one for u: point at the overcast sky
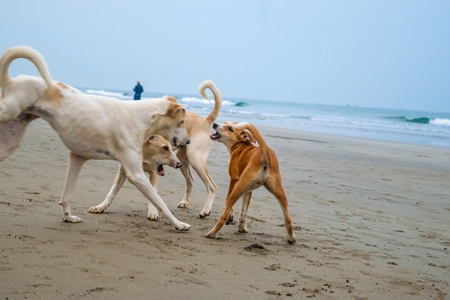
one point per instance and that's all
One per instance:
(380, 53)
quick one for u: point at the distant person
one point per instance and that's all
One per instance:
(138, 90)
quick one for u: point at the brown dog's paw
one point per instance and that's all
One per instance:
(291, 239)
(210, 235)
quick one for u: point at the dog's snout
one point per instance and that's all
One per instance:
(178, 165)
(215, 125)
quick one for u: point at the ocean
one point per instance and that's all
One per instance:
(405, 126)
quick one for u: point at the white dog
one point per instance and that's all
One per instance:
(92, 127)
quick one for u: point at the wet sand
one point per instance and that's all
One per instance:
(372, 221)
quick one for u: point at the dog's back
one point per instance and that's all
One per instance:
(245, 155)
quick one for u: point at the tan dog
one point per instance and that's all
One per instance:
(92, 127)
(196, 153)
(250, 167)
(157, 152)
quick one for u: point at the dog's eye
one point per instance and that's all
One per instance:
(165, 148)
(230, 129)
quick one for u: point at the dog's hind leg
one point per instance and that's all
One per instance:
(187, 174)
(12, 132)
(73, 171)
(118, 183)
(237, 190)
(242, 227)
(202, 171)
(275, 187)
(136, 176)
(13, 104)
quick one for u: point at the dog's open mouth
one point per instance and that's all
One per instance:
(215, 136)
(160, 170)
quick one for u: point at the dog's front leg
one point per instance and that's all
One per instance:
(235, 191)
(118, 183)
(136, 176)
(152, 211)
(75, 164)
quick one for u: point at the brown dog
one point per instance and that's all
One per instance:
(250, 167)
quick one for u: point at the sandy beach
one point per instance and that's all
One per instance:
(372, 221)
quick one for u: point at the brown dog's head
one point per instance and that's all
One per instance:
(157, 152)
(229, 135)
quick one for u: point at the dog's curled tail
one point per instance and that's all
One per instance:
(27, 53)
(259, 139)
(209, 84)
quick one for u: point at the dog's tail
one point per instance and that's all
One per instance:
(209, 84)
(259, 139)
(22, 52)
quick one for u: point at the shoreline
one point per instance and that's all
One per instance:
(371, 221)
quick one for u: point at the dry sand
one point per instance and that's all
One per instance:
(372, 222)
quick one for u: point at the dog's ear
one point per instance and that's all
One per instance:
(175, 109)
(181, 111)
(150, 139)
(172, 99)
(178, 111)
(247, 136)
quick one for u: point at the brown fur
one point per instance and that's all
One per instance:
(250, 167)
(157, 152)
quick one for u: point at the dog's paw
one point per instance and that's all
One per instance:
(183, 204)
(204, 213)
(183, 226)
(242, 229)
(97, 209)
(152, 213)
(153, 216)
(72, 219)
(291, 239)
(210, 235)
